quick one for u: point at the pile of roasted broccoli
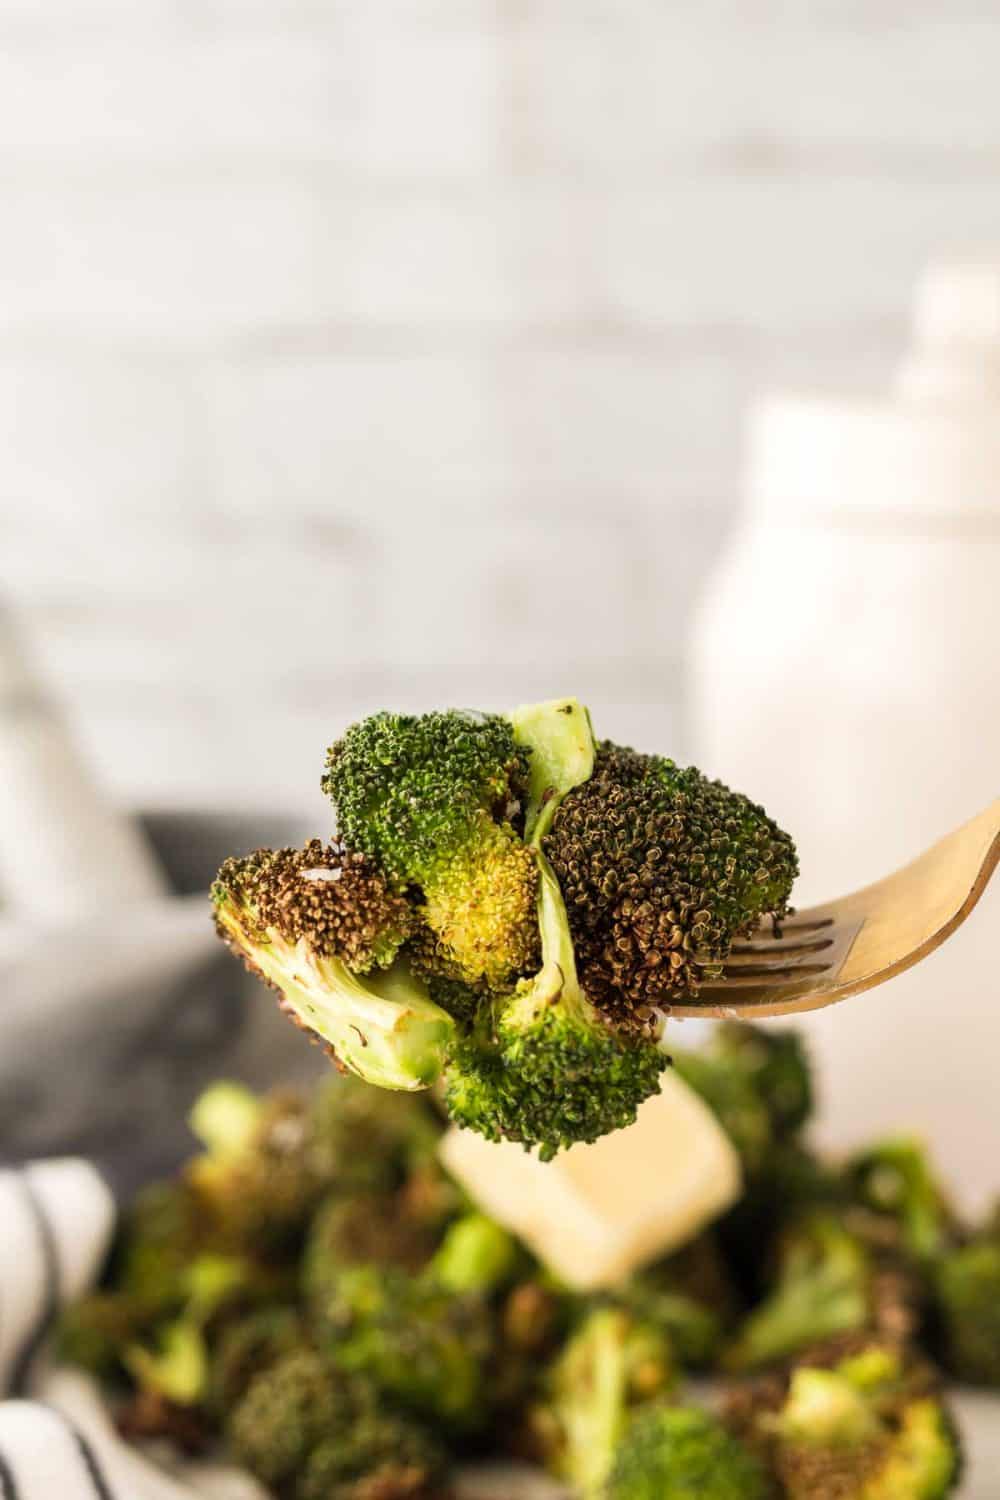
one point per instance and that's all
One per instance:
(507, 906)
(315, 1296)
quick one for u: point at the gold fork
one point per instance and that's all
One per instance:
(825, 953)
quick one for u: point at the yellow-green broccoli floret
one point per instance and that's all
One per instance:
(434, 799)
(678, 1452)
(872, 1427)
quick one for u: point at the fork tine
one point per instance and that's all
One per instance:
(745, 974)
(761, 947)
(874, 933)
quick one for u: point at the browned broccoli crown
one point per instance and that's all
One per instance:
(336, 900)
(660, 870)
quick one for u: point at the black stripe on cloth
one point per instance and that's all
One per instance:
(50, 1288)
(102, 1488)
(8, 1485)
(96, 1475)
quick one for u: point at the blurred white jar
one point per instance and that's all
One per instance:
(846, 674)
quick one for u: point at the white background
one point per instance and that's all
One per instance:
(368, 352)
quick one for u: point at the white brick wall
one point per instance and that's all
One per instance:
(357, 352)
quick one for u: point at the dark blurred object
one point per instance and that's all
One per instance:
(108, 1031)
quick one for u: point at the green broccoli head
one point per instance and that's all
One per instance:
(436, 939)
(95, 1332)
(823, 1287)
(547, 1069)
(160, 1233)
(661, 869)
(690, 1295)
(894, 1179)
(613, 1363)
(757, 1082)
(172, 1360)
(433, 799)
(675, 1452)
(424, 1349)
(363, 1139)
(870, 1425)
(966, 1287)
(245, 1347)
(322, 926)
(255, 1182)
(365, 1229)
(288, 1409)
(385, 1456)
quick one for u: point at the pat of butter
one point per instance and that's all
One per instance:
(597, 1213)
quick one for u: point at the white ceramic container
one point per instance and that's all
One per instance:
(846, 672)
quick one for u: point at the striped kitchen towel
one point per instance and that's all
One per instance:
(56, 1442)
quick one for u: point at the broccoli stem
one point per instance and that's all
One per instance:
(561, 741)
(557, 979)
(384, 1027)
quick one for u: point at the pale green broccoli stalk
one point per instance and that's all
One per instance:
(175, 1363)
(476, 1255)
(323, 927)
(612, 1364)
(679, 1452)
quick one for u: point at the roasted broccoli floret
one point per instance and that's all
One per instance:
(245, 1347)
(322, 926)
(288, 1409)
(172, 1360)
(256, 1181)
(693, 1328)
(612, 1363)
(966, 1285)
(384, 1457)
(895, 1180)
(661, 869)
(547, 1070)
(678, 1452)
(868, 1426)
(362, 1138)
(823, 1287)
(690, 1295)
(313, 1433)
(161, 1234)
(757, 1081)
(433, 799)
(424, 1349)
(511, 909)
